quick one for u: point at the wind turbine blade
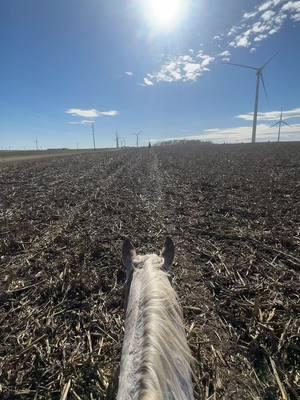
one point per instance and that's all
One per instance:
(242, 66)
(264, 86)
(269, 60)
(276, 123)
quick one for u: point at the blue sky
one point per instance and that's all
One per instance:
(129, 68)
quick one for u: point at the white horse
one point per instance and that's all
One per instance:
(155, 362)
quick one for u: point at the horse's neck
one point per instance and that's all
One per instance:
(155, 361)
(131, 360)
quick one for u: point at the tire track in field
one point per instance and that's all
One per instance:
(208, 335)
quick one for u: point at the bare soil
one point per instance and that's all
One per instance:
(8, 156)
(233, 212)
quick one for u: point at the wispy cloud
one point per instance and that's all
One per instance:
(294, 8)
(111, 113)
(241, 134)
(263, 21)
(255, 26)
(184, 68)
(91, 113)
(218, 37)
(129, 73)
(147, 82)
(84, 122)
(225, 55)
(272, 115)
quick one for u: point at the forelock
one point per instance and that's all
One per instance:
(153, 259)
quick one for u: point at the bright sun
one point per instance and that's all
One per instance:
(164, 13)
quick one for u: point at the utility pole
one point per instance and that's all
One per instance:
(93, 131)
(117, 140)
(36, 144)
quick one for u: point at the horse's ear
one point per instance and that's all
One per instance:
(168, 253)
(128, 253)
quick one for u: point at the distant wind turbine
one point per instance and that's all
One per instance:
(92, 125)
(122, 141)
(259, 77)
(137, 138)
(279, 123)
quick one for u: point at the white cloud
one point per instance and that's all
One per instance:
(242, 41)
(265, 5)
(263, 21)
(256, 25)
(271, 115)
(77, 112)
(242, 134)
(91, 113)
(182, 68)
(84, 122)
(225, 55)
(249, 15)
(111, 113)
(294, 8)
(147, 82)
(129, 73)
(234, 29)
(267, 15)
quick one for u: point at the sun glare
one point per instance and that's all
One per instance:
(164, 14)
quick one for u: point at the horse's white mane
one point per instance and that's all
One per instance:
(156, 359)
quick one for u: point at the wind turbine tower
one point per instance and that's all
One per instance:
(259, 78)
(279, 123)
(93, 131)
(92, 125)
(137, 138)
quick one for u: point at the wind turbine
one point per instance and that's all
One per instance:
(279, 123)
(92, 125)
(137, 138)
(122, 142)
(259, 78)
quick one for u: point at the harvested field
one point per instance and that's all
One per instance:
(233, 212)
(9, 156)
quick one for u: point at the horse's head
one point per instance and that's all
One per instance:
(132, 261)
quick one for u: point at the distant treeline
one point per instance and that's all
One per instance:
(58, 149)
(180, 141)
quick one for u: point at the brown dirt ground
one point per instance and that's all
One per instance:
(233, 212)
